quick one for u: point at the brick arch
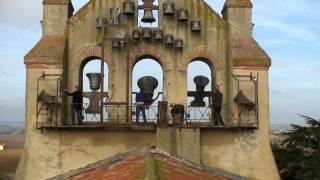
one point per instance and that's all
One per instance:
(212, 58)
(90, 51)
(145, 50)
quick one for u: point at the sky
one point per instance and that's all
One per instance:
(289, 31)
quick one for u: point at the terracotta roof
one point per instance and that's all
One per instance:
(247, 52)
(145, 163)
(50, 49)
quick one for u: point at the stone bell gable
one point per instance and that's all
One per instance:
(204, 125)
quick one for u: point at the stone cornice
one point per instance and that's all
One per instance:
(56, 2)
(236, 4)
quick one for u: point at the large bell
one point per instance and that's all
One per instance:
(94, 80)
(146, 33)
(101, 22)
(201, 82)
(168, 9)
(128, 8)
(169, 39)
(183, 15)
(196, 26)
(148, 15)
(158, 34)
(179, 43)
(148, 84)
(136, 34)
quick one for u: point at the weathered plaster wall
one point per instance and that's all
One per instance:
(244, 152)
(52, 152)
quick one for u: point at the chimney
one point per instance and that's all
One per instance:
(56, 14)
(238, 13)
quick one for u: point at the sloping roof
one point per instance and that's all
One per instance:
(50, 49)
(247, 52)
(145, 163)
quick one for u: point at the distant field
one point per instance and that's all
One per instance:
(9, 160)
(12, 141)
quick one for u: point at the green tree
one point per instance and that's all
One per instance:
(298, 155)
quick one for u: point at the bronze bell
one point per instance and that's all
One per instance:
(201, 82)
(169, 40)
(168, 9)
(196, 26)
(179, 43)
(158, 34)
(94, 80)
(148, 84)
(148, 15)
(146, 33)
(128, 8)
(115, 44)
(183, 15)
(136, 34)
(101, 22)
(123, 44)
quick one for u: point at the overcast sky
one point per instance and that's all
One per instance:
(288, 30)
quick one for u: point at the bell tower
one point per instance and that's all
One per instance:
(213, 116)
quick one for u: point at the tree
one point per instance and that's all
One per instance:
(298, 155)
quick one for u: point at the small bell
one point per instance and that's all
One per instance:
(146, 34)
(168, 9)
(148, 15)
(179, 43)
(183, 15)
(196, 26)
(158, 34)
(115, 44)
(128, 8)
(136, 34)
(169, 40)
(123, 44)
(101, 22)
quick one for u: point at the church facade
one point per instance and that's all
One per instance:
(229, 132)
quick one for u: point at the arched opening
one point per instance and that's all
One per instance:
(90, 71)
(201, 83)
(146, 71)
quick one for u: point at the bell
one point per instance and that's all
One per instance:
(94, 80)
(201, 82)
(146, 33)
(179, 43)
(136, 34)
(158, 34)
(148, 15)
(183, 15)
(128, 8)
(196, 26)
(169, 40)
(148, 84)
(101, 22)
(123, 44)
(168, 9)
(115, 44)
